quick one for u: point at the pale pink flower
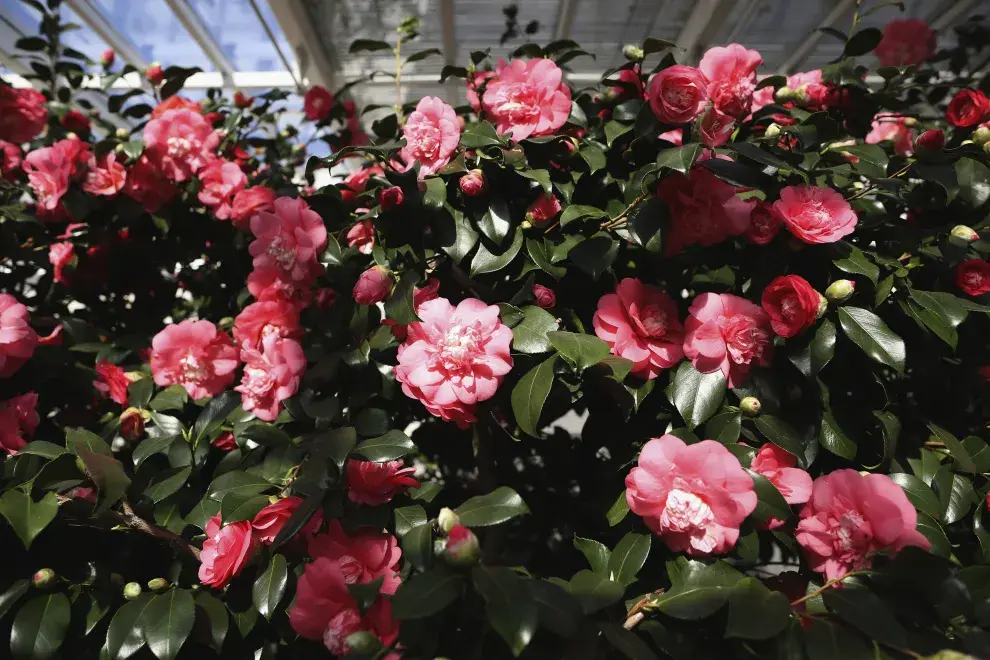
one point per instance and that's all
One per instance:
(809, 80)
(454, 357)
(180, 142)
(731, 71)
(850, 517)
(432, 133)
(377, 483)
(694, 497)
(61, 255)
(219, 182)
(727, 333)
(893, 127)
(271, 374)
(105, 176)
(49, 170)
(639, 322)
(263, 318)
(704, 209)
(289, 238)
(527, 98)
(195, 354)
(474, 83)
(18, 421)
(778, 466)
(17, 338)
(225, 552)
(362, 236)
(815, 214)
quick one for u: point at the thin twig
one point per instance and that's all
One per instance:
(828, 585)
(617, 220)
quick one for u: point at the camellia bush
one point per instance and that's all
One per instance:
(691, 363)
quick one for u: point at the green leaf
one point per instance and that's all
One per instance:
(933, 531)
(426, 491)
(510, 610)
(593, 156)
(891, 431)
(825, 640)
(537, 250)
(769, 502)
(479, 134)
(580, 212)
(614, 129)
(956, 449)
(236, 507)
(172, 398)
(679, 159)
(755, 612)
(862, 42)
(417, 546)
(359, 45)
(530, 334)
(167, 482)
(268, 435)
(724, 428)
(394, 444)
(27, 517)
(918, 493)
(125, 636)
(596, 553)
(13, 594)
(214, 413)
(580, 350)
(541, 177)
(486, 261)
(425, 594)
(529, 395)
(863, 609)
(44, 449)
(627, 642)
(628, 557)
(647, 223)
(167, 622)
(834, 439)
(594, 591)
(497, 221)
(40, 627)
(974, 181)
(139, 392)
(423, 54)
(618, 511)
(496, 507)
(595, 255)
(857, 263)
(870, 333)
(219, 618)
(696, 396)
(298, 519)
(818, 351)
(947, 307)
(400, 306)
(76, 438)
(697, 589)
(407, 517)
(269, 588)
(872, 159)
(238, 482)
(151, 446)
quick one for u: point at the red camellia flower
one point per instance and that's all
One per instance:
(18, 421)
(377, 483)
(111, 381)
(731, 71)
(694, 497)
(176, 102)
(390, 197)
(49, 171)
(219, 182)
(727, 333)
(973, 277)
(543, 209)
(906, 41)
(17, 338)
(474, 83)
(778, 466)
(792, 304)
(318, 103)
(248, 203)
(105, 176)
(678, 94)
(242, 100)
(153, 72)
(289, 238)
(147, 186)
(268, 522)
(632, 87)
(225, 552)
(272, 373)
(704, 209)
(10, 160)
(23, 114)
(527, 98)
(225, 441)
(814, 214)
(715, 127)
(432, 132)
(180, 143)
(764, 224)
(640, 323)
(263, 318)
(968, 108)
(931, 140)
(355, 182)
(851, 517)
(473, 183)
(73, 120)
(107, 58)
(195, 354)
(544, 297)
(60, 256)
(373, 286)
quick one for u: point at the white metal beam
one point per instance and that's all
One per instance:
(201, 34)
(101, 25)
(746, 16)
(807, 45)
(949, 13)
(449, 34)
(317, 62)
(695, 26)
(289, 65)
(565, 18)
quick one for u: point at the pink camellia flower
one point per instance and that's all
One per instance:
(543, 209)
(225, 552)
(355, 182)
(931, 140)
(792, 305)
(362, 236)
(10, 160)
(23, 114)
(373, 286)
(260, 319)
(815, 214)
(893, 127)
(703, 208)
(225, 441)
(905, 41)
(17, 338)
(543, 296)
(249, 202)
(60, 256)
(268, 522)
(727, 333)
(731, 71)
(808, 81)
(432, 133)
(715, 127)
(269, 283)
(528, 98)
(195, 354)
(454, 357)
(390, 197)
(325, 298)
(111, 381)
(49, 170)
(377, 483)
(366, 555)
(219, 182)
(632, 87)
(474, 83)
(318, 103)
(764, 224)
(778, 466)
(147, 186)
(639, 322)
(973, 277)
(290, 238)
(850, 517)
(180, 143)
(678, 94)
(271, 374)
(176, 102)
(105, 176)
(420, 295)
(694, 497)
(18, 421)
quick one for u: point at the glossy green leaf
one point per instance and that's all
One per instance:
(974, 181)
(618, 511)
(594, 591)
(496, 507)
(125, 635)
(833, 438)
(697, 589)
(270, 586)
(596, 553)
(218, 616)
(425, 594)
(167, 621)
(510, 611)
(696, 396)
(27, 517)
(486, 261)
(530, 393)
(580, 350)
(530, 334)
(918, 493)
(755, 612)
(394, 444)
(40, 626)
(870, 333)
(769, 502)
(865, 610)
(628, 557)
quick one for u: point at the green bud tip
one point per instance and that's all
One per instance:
(840, 291)
(43, 578)
(750, 406)
(132, 590)
(447, 519)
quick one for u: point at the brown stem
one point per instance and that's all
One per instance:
(617, 220)
(828, 585)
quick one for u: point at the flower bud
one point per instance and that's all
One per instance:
(122, 133)
(473, 183)
(447, 519)
(633, 53)
(132, 590)
(391, 197)
(822, 306)
(750, 406)
(363, 642)
(107, 58)
(225, 441)
(784, 94)
(931, 140)
(773, 131)
(44, 578)
(374, 286)
(840, 291)
(981, 135)
(158, 584)
(462, 547)
(986, 148)
(545, 297)
(242, 100)
(154, 73)
(131, 424)
(965, 233)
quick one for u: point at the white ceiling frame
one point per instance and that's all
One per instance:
(949, 13)
(565, 19)
(807, 45)
(289, 65)
(318, 63)
(198, 30)
(101, 25)
(746, 16)
(690, 35)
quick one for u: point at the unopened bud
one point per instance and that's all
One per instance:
(447, 519)
(965, 233)
(981, 135)
(986, 148)
(363, 642)
(158, 584)
(750, 406)
(473, 183)
(633, 53)
(391, 197)
(154, 73)
(107, 58)
(822, 306)
(122, 133)
(44, 578)
(840, 291)
(773, 130)
(131, 424)
(462, 547)
(373, 286)
(242, 100)
(931, 140)
(784, 94)
(132, 590)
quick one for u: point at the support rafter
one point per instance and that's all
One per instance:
(318, 63)
(695, 27)
(949, 13)
(93, 16)
(806, 46)
(566, 11)
(198, 30)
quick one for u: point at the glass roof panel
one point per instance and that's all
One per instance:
(156, 32)
(240, 34)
